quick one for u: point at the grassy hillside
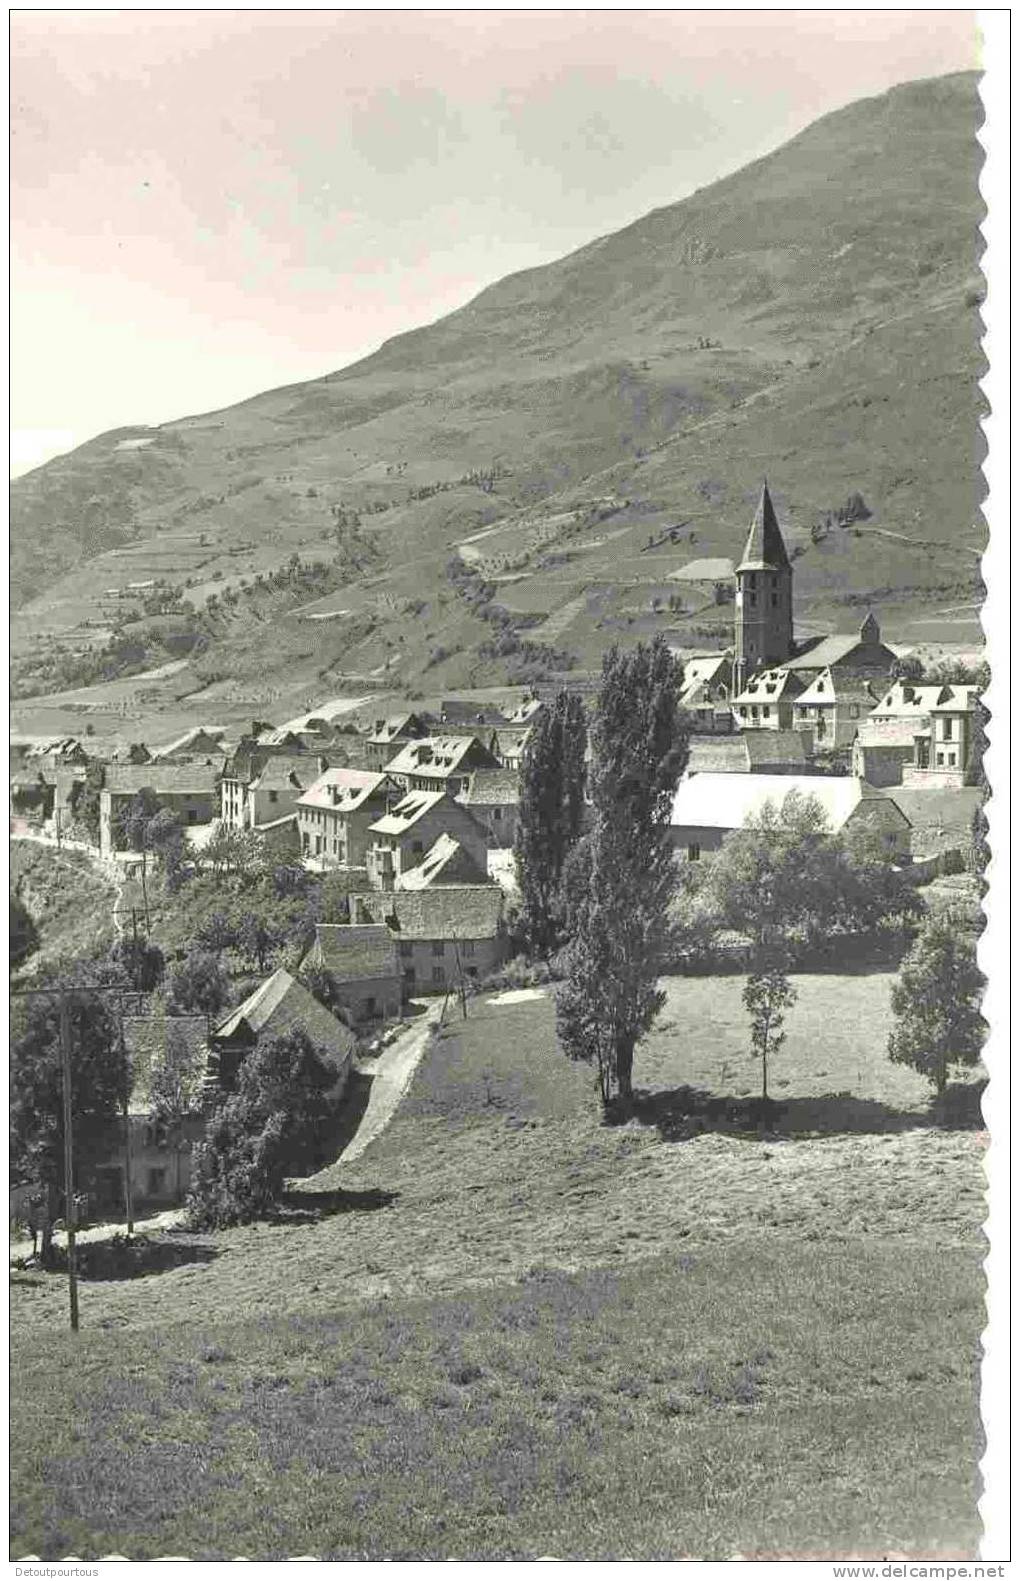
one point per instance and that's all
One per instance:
(70, 901)
(509, 1330)
(815, 316)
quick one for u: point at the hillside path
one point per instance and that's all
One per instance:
(391, 1073)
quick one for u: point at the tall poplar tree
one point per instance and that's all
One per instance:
(549, 817)
(623, 872)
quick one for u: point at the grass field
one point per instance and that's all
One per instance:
(510, 1330)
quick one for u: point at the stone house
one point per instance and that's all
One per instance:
(832, 708)
(362, 958)
(279, 1006)
(941, 818)
(861, 653)
(708, 807)
(443, 763)
(508, 744)
(336, 814)
(942, 747)
(766, 701)
(190, 790)
(445, 862)
(411, 826)
(444, 933)
(258, 788)
(389, 735)
(493, 798)
(882, 749)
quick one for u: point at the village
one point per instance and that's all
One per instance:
(411, 819)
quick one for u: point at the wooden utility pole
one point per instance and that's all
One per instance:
(70, 1210)
(129, 1211)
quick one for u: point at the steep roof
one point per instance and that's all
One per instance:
(492, 788)
(286, 771)
(768, 686)
(445, 862)
(406, 812)
(511, 742)
(201, 738)
(436, 755)
(764, 549)
(396, 726)
(775, 746)
(356, 952)
(165, 779)
(956, 700)
(343, 789)
(462, 911)
(931, 808)
(726, 801)
(905, 700)
(280, 1005)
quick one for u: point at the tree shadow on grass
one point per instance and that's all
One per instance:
(306, 1207)
(121, 1258)
(681, 1113)
(355, 1102)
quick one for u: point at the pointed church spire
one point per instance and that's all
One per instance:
(764, 549)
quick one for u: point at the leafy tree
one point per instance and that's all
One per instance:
(974, 773)
(272, 1126)
(199, 984)
(258, 938)
(623, 874)
(133, 820)
(99, 1090)
(164, 836)
(936, 1001)
(908, 667)
(768, 994)
(175, 1086)
(549, 818)
(24, 935)
(141, 960)
(215, 933)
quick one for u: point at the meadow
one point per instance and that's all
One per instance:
(510, 1329)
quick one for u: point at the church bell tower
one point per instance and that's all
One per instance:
(764, 598)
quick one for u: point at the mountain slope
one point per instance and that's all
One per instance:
(814, 315)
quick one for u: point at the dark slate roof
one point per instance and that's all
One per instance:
(461, 911)
(356, 951)
(280, 1005)
(776, 746)
(927, 808)
(287, 771)
(764, 549)
(169, 779)
(492, 788)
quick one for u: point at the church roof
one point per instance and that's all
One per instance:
(764, 549)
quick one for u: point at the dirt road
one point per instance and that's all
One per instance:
(391, 1072)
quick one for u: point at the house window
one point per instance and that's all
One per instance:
(274, 796)
(438, 975)
(951, 760)
(406, 948)
(947, 730)
(775, 600)
(938, 759)
(821, 723)
(754, 711)
(370, 1005)
(743, 712)
(416, 847)
(766, 712)
(468, 947)
(855, 710)
(754, 599)
(156, 1183)
(438, 947)
(192, 815)
(497, 813)
(694, 852)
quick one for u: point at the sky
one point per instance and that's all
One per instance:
(208, 204)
